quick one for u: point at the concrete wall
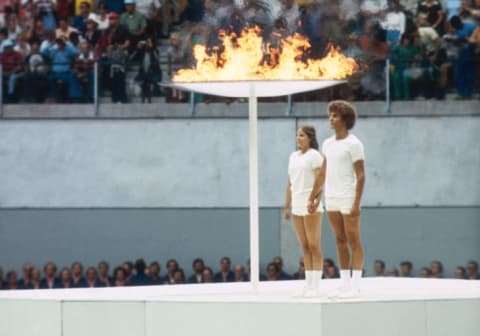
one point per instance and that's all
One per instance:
(204, 162)
(89, 235)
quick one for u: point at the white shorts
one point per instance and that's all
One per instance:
(299, 204)
(343, 205)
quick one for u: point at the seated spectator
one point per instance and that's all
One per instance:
(373, 10)
(128, 267)
(330, 270)
(78, 280)
(79, 4)
(172, 267)
(101, 17)
(12, 280)
(406, 269)
(120, 277)
(279, 262)
(91, 279)
(404, 57)
(27, 276)
(140, 278)
(64, 29)
(409, 6)
(134, 21)
(62, 56)
(149, 73)
(460, 273)
(394, 23)
(273, 272)
(63, 8)
(13, 27)
(92, 34)
(433, 11)
(103, 276)
(44, 10)
(436, 268)
(35, 83)
(225, 274)
(425, 272)
(22, 46)
(50, 280)
(197, 277)
(12, 62)
(465, 68)
(392, 272)
(472, 270)
(207, 275)
(84, 69)
(79, 21)
(178, 277)
(154, 274)
(37, 32)
(240, 274)
(379, 268)
(300, 273)
(36, 281)
(65, 279)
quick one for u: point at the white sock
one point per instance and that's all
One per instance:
(356, 276)
(345, 277)
(309, 276)
(317, 277)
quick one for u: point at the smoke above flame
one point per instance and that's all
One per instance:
(247, 57)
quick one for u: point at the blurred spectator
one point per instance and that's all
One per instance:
(50, 280)
(44, 10)
(392, 272)
(120, 276)
(134, 21)
(103, 277)
(178, 277)
(379, 268)
(425, 272)
(36, 282)
(460, 273)
(79, 4)
(92, 34)
(300, 273)
(207, 275)
(12, 62)
(465, 67)
(128, 267)
(12, 280)
(470, 9)
(64, 29)
(436, 268)
(63, 8)
(13, 28)
(149, 9)
(273, 272)
(22, 46)
(405, 55)
(198, 266)
(177, 57)
(472, 270)
(172, 267)
(433, 11)
(331, 272)
(240, 274)
(406, 269)
(84, 68)
(149, 73)
(37, 32)
(100, 17)
(154, 273)
(140, 278)
(91, 279)
(394, 23)
(116, 6)
(225, 274)
(79, 21)
(282, 275)
(62, 56)
(26, 281)
(409, 6)
(77, 275)
(373, 10)
(65, 279)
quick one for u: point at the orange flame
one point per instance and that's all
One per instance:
(243, 58)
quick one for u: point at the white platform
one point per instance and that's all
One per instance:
(387, 306)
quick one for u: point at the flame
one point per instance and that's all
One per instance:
(246, 57)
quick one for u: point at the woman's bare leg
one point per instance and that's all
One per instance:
(313, 230)
(298, 221)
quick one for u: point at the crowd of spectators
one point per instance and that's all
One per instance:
(48, 47)
(141, 274)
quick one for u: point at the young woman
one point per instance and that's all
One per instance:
(305, 181)
(345, 178)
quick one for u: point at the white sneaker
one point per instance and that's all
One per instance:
(335, 293)
(350, 293)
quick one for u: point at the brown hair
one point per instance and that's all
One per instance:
(311, 134)
(347, 112)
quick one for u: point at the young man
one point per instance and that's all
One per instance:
(345, 178)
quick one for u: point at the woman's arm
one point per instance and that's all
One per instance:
(358, 167)
(288, 201)
(314, 198)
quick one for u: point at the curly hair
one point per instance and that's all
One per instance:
(347, 112)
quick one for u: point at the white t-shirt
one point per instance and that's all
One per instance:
(301, 168)
(341, 155)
